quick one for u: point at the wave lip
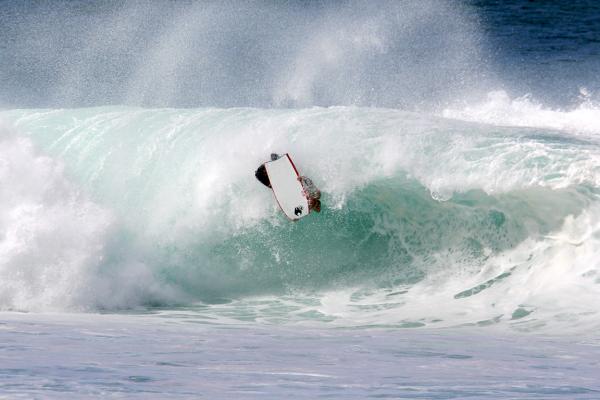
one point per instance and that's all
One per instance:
(499, 109)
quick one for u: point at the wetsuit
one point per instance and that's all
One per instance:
(261, 175)
(261, 172)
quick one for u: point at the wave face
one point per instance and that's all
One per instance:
(426, 220)
(415, 55)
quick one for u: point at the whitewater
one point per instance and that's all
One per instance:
(457, 254)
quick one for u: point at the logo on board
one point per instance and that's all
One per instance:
(298, 210)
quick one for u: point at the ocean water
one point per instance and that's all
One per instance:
(457, 147)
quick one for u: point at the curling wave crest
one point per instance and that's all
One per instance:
(427, 221)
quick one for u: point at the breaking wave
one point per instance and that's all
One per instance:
(426, 220)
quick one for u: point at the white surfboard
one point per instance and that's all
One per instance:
(287, 189)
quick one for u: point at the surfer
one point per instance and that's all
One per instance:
(313, 194)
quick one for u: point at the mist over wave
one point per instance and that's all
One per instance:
(223, 54)
(413, 55)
